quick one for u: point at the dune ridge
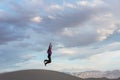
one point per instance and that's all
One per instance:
(37, 75)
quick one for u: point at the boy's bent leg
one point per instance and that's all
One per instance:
(47, 62)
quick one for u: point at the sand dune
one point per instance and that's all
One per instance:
(36, 75)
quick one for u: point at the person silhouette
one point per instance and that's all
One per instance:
(49, 51)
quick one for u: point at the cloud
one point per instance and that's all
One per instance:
(108, 59)
(12, 55)
(36, 19)
(69, 24)
(87, 52)
(92, 3)
(108, 27)
(27, 27)
(15, 21)
(87, 22)
(56, 7)
(69, 5)
(9, 33)
(68, 19)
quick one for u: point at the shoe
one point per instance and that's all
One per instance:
(45, 64)
(44, 61)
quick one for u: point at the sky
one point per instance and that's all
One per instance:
(85, 34)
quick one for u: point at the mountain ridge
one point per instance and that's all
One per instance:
(98, 74)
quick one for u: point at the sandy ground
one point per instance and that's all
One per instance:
(36, 75)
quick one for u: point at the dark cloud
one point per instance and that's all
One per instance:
(74, 18)
(14, 23)
(78, 40)
(69, 18)
(9, 33)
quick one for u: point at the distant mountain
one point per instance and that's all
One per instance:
(100, 79)
(115, 74)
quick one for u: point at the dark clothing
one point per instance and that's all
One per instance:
(49, 51)
(49, 59)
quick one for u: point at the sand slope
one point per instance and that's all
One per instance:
(36, 75)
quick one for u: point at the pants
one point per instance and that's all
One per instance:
(49, 59)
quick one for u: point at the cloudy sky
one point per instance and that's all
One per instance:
(85, 34)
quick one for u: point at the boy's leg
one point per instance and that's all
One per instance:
(47, 62)
(49, 58)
